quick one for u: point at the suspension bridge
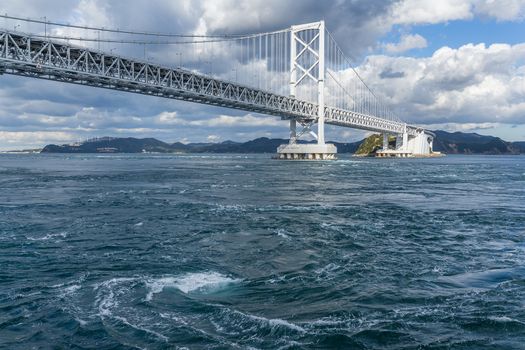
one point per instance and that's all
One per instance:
(299, 74)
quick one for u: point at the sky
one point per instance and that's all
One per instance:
(455, 65)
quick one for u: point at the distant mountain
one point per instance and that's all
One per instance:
(445, 142)
(112, 145)
(472, 143)
(520, 145)
(133, 145)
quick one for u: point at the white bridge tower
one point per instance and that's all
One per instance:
(303, 69)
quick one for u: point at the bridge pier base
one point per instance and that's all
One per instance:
(306, 151)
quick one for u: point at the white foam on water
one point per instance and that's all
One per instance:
(172, 317)
(325, 322)
(504, 319)
(282, 233)
(21, 295)
(112, 296)
(109, 295)
(331, 267)
(273, 322)
(81, 321)
(69, 290)
(191, 282)
(108, 291)
(280, 322)
(331, 227)
(141, 328)
(236, 208)
(206, 280)
(70, 287)
(112, 282)
(156, 286)
(48, 236)
(437, 269)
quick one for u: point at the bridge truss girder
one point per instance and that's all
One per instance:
(22, 55)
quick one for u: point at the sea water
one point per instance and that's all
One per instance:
(242, 251)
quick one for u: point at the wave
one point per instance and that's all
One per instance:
(275, 322)
(107, 292)
(484, 279)
(204, 282)
(117, 299)
(233, 321)
(282, 233)
(141, 328)
(505, 319)
(191, 282)
(49, 236)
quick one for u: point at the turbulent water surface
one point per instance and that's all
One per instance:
(234, 251)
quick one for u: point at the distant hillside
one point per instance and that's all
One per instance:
(472, 143)
(520, 145)
(133, 145)
(111, 144)
(451, 143)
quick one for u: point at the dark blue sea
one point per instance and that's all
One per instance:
(245, 252)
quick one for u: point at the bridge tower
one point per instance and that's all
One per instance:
(307, 62)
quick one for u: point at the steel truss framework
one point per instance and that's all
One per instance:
(20, 54)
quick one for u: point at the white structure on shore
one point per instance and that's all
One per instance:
(419, 145)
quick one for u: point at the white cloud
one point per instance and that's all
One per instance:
(91, 12)
(412, 12)
(231, 14)
(213, 138)
(35, 139)
(502, 10)
(430, 11)
(246, 120)
(169, 118)
(471, 84)
(463, 127)
(406, 43)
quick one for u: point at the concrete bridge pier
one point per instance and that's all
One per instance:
(305, 151)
